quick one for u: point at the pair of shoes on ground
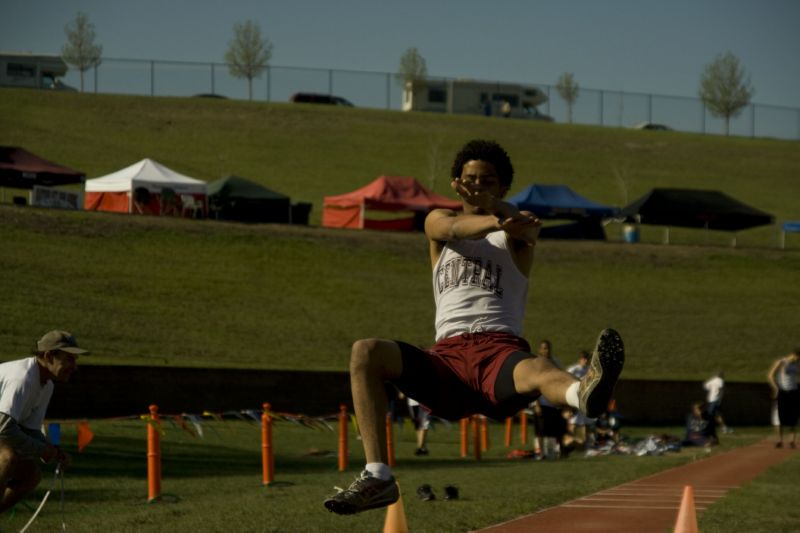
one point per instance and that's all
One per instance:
(792, 445)
(597, 386)
(365, 493)
(426, 494)
(421, 451)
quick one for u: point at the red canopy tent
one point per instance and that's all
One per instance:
(386, 193)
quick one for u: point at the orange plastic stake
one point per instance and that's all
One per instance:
(687, 514)
(509, 426)
(523, 427)
(484, 434)
(464, 443)
(267, 456)
(342, 438)
(389, 440)
(153, 456)
(476, 437)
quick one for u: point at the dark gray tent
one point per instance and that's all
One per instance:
(690, 208)
(239, 199)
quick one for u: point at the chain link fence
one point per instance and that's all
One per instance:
(381, 90)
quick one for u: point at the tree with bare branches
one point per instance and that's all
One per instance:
(413, 71)
(568, 90)
(725, 88)
(80, 50)
(248, 54)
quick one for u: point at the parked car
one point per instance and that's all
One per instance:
(316, 98)
(650, 126)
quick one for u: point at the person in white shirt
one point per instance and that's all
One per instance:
(481, 258)
(26, 386)
(782, 379)
(714, 387)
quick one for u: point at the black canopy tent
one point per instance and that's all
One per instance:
(691, 208)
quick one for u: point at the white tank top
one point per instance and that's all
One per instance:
(787, 376)
(477, 287)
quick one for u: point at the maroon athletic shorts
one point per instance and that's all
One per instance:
(465, 374)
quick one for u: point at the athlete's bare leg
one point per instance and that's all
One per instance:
(18, 477)
(540, 375)
(373, 361)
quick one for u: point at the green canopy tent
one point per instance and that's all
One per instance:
(242, 200)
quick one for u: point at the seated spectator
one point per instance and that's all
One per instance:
(700, 427)
(606, 426)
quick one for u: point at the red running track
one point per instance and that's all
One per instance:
(652, 503)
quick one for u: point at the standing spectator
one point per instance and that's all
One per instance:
(505, 109)
(26, 386)
(580, 368)
(714, 387)
(422, 423)
(578, 421)
(551, 425)
(782, 379)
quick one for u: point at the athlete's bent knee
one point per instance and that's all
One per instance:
(370, 355)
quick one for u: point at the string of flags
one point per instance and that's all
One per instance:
(192, 423)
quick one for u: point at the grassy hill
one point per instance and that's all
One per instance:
(144, 290)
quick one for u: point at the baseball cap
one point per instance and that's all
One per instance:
(59, 340)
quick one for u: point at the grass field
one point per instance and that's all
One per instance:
(214, 483)
(144, 290)
(150, 291)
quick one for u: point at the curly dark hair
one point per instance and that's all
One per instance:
(489, 151)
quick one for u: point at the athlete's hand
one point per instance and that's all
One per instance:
(475, 196)
(524, 226)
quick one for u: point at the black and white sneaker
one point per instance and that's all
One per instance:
(366, 492)
(597, 386)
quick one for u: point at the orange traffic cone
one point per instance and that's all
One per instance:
(687, 517)
(396, 517)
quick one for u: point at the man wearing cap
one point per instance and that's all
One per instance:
(26, 386)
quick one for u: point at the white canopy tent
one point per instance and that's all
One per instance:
(146, 187)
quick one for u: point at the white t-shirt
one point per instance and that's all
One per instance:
(22, 396)
(478, 287)
(714, 388)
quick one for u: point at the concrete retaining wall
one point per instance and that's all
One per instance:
(108, 391)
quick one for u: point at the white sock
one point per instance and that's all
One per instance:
(572, 395)
(379, 470)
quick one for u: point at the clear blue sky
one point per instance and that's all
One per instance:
(643, 46)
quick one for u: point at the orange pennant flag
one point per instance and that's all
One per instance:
(85, 435)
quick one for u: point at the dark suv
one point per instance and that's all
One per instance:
(315, 98)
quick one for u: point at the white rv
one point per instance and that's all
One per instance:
(19, 69)
(475, 98)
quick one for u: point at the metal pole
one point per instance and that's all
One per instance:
(95, 79)
(389, 90)
(269, 84)
(752, 120)
(601, 107)
(330, 82)
(212, 79)
(649, 108)
(548, 99)
(152, 78)
(703, 117)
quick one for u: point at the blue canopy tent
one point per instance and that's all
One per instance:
(561, 202)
